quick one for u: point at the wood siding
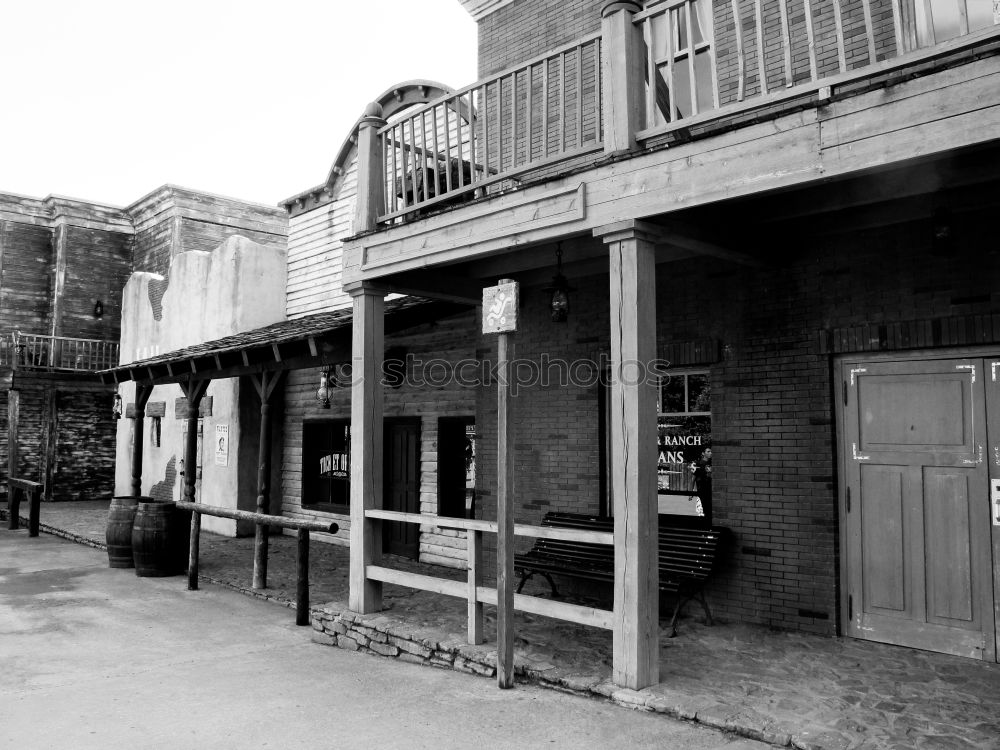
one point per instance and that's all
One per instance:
(26, 257)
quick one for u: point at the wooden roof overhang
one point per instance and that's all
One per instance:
(318, 340)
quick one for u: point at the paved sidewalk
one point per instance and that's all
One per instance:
(96, 659)
(786, 688)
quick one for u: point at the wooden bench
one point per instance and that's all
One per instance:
(686, 559)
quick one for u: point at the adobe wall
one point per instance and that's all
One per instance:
(235, 287)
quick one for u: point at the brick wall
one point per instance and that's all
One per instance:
(772, 414)
(527, 28)
(449, 340)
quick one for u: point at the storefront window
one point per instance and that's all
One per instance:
(684, 445)
(326, 465)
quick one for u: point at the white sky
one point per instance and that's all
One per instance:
(106, 100)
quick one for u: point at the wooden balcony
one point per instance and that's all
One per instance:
(22, 351)
(588, 99)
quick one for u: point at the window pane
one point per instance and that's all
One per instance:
(659, 26)
(703, 80)
(699, 18)
(699, 393)
(982, 14)
(681, 90)
(680, 28)
(672, 394)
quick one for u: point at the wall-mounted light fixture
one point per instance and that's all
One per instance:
(560, 289)
(98, 309)
(323, 394)
(116, 408)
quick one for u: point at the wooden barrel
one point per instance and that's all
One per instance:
(152, 543)
(118, 534)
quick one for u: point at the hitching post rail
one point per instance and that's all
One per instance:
(15, 488)
(301, 558)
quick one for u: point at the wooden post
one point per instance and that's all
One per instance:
(474, 549)
(265, 384)
(302, 579)
(367, 346)
(505, 516)
(194, 550)
(51, 440)
(622, 74)
(633, 453)
(142, 394)
(34, 510)
(13, 401)
(194, 390)
(500, 312)
(13, 507)
(371, 178)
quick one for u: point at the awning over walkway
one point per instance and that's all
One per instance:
(313, 341)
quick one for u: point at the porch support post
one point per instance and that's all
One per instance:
(633, 453)
(622, 74)
(367, 350)
(371, 180)
(194, 390)
(265, 384)
(142, 394)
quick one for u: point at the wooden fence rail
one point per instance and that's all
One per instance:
(16, 488)
(263, 519)
(472, 590)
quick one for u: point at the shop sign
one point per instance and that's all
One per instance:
(500, 307)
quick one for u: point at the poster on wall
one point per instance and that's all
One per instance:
(222, 445)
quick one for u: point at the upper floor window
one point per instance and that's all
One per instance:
(940, 20)
(680, 47)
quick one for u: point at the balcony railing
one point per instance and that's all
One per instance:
(37, 352)
(484, 135)
(706, 59)
(672, 65)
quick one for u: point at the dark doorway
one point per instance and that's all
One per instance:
(402, 486)
(456, 466)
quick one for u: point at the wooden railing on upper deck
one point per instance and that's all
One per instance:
(670, 66)
(484, 135)
(39, 352)
(703, 69)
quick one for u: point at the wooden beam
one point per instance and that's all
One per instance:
(435, 285)
(368, 349)
(676, 234)
(633, 454)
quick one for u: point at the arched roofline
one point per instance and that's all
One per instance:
(393, 100)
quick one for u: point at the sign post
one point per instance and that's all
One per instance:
(500, 316)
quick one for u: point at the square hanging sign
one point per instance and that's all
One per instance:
(500, 307)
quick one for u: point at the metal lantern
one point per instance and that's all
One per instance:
(116, 408)
(559, 289)
(323, 394)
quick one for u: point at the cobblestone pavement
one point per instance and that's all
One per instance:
(786, 688)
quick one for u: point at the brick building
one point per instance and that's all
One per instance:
(787, 203)
(797, 218)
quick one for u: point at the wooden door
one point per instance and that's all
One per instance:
(402, 487)
(991, 371)
(917, 512)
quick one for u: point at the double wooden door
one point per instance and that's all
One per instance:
(921, 440)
